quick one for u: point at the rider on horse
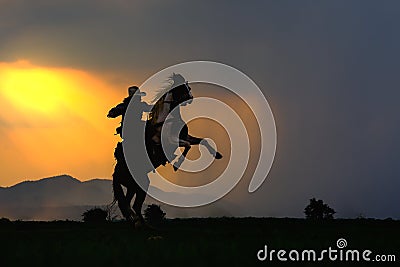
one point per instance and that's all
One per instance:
(167, 102)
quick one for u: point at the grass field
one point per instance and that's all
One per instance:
(190, 242)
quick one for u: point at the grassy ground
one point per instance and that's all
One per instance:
(189, 242)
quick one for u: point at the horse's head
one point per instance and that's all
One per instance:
(177, 93)
(181, 91)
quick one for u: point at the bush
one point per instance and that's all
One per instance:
(153, 214)
(318, 210)
(5, 221)
(95, 215)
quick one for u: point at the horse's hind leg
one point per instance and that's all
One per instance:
(139, 200)
(140, 197)
(120, 178)
(130, 193)
(121, 199)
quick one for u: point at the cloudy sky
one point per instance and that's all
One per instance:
(328, 69)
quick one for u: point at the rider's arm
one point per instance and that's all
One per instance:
(146, 107)
(117, 111)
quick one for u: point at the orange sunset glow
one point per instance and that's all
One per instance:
(53, 120)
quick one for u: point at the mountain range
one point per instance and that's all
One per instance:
(65, 197)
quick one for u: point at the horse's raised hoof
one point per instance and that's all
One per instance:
(218, 155)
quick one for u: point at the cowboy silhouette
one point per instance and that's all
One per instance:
(122, 175)
(119, 110)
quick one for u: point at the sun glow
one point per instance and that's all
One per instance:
(34, 89)
(53, 121)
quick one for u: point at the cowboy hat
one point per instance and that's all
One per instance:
(135, 90)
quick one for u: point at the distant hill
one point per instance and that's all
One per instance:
(50, 198)
(64, 197)
(57, 191)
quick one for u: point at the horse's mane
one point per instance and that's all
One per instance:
(172, 82)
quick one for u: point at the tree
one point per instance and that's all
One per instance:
(154, 214)
(96, 215)
(318, 210)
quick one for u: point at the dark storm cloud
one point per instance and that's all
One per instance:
(127, 34)
(329, 70)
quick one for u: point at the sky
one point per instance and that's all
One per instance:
(328, 69)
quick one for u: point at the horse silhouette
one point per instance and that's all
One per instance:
(164, 116)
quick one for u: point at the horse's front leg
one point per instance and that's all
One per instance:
(179, 162)
(196, 141)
